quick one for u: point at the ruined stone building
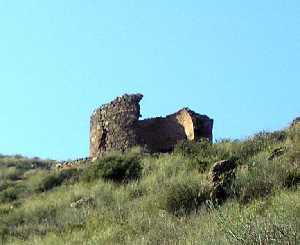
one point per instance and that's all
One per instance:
(116, 126)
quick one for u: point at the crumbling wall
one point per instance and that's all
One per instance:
(202, 125)
(115, 126)
(184, 119)
(111, 125)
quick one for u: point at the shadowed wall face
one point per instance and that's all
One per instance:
(115, 126)
(159, 134)
(162, 133)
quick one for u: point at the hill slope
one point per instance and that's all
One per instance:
(139, 198)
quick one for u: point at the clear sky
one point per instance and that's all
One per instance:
(236, 61)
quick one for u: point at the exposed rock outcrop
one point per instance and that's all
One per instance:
(73, 163)
(222, 177)
(277, 152)
(85, 201)
(116, 126)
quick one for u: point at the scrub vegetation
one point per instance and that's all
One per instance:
(139, 198)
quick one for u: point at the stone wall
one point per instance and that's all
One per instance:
(116, 126)
(111, 126)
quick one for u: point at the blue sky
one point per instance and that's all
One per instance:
(236, 61)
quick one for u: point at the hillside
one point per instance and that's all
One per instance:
(172, 198)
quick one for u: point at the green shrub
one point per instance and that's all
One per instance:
(5, 209)
(253, 188)
(22, 224)
(9, 195)
(117, 167)
(136, 190)
(294, 133)
(15, 175)
(201, 154)
(4, 232)
(250, 147)
(260, 177)
(243, 150)
(225, 148)
(24, 164)
(293, 155)
(293, 178)
(278, 136)
(58, 178)
(13, 192)
(189, 148)
(262, 222)
(182, 195)
(263, 231)
(4, 185)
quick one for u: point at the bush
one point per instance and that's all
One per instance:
(4, 232)
(194, 148)
(22, 223)
(117, 167)
(4, 185)
(200, 154)
(9, 195)
(58, 178)
(253, 188)
(262, 231)
(248, 148)
(292, 179)
(24, 164)
(15, 175)
(259, 178)
(181, 196)
(262, 141)
(12, 193)
(293, 155)
(274, 221)
(294, 133)
(277, 136)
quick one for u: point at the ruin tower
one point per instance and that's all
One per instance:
(111, 125)
(116, 127)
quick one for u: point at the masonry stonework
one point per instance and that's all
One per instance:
(116, 127)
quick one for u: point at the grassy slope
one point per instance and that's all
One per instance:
(169, 202)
